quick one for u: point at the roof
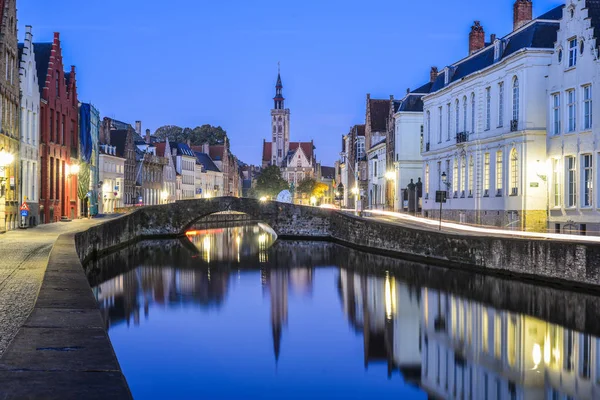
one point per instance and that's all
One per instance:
(556, 13)
(267, 151)
(380, 111)
(216, 152)
(20, 47)
(328, 172)
(412, 103)
(360, 130)
(206, 162)
(426, 88)
(42, 61)
(396, 104)
(307, 148)
(593, 7)
(118, 138)
(160, 149)
(183, 149)
(120, 125)
(536, 35)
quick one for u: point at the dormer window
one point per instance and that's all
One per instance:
(446, 75)
(497, 50)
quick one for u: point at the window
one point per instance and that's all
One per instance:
(449, 122)
(581, 47)
(556, 181)
(427, 180)
(587, 180)
(499, 173)
(472, 112)
(515, 110)
(441, 125)
(455, 176)
(556, 114)
(463, 175)
(572, 52)
(428, 126)
(471, 172)
(587, 107)
(514, 172)
(571, 182)
(572, 110)
(457, 113)
(500, 104)
(486, 174)
(488, 108)
(465, 114)
(560, 56)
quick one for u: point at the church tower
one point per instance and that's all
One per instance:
(280, 125)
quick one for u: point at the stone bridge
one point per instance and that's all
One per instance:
(561, 262)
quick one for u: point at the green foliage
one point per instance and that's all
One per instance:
(320, 190)
(269, 183)
(306, 186)
(197, 136)
(83, 180)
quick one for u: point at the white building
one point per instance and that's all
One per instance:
(30, 133)
(169, 191)
(185, 165)
(485, 128)
(376, 156)
(408, 131)
(112, 175)
(573, 135)
(209, 179)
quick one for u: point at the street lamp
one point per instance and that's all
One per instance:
(164, 195)
(313, 201)
(73, 169)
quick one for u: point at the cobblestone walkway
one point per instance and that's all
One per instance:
(23, 259)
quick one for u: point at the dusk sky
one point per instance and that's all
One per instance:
(194, 62)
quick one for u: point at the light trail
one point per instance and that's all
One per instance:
(475, 229)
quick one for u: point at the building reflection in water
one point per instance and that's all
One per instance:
(453, 346)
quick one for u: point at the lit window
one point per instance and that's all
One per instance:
(587, 180)
(556, 181)
(427, 180)
(499, 173)
(455, 176)
(571, 182)
(486, 174)
(463, 175)
(514, 172)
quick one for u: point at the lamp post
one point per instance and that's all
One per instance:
(443, 196)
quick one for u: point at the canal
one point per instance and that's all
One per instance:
(231, 313)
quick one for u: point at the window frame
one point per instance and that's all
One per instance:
(500, 104)
(572, 110)
(587, 107)
(571, 182)
(573, 49)
(499, 173)
(556, 120)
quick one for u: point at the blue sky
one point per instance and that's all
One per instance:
(191, 62)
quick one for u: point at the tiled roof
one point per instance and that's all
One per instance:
(426, 88)
(380, 110)
(360, 130)
(396, 104)
(412, 103)
(206, 161)
(216, 152)
(307, 148)
(42, 60)
(267, 151)
(160, 149)
(118, 138)
(328, 172)
(593, 7)
(538, 34)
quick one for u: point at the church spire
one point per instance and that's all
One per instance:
(278, 99)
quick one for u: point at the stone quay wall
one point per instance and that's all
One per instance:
(562, 262)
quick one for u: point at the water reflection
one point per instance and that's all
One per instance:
(338, 320)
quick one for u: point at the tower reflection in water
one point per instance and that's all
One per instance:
(451, 346)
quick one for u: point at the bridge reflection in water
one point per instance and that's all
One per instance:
(450, 335)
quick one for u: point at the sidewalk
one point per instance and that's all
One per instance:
(23, 260)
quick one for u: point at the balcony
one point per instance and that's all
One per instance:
(462, 137)
(514, 125)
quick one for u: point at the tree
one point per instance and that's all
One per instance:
(320, 190)
(306, 186)
(269, 183)
(197, 136)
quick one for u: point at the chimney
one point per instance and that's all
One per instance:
(138, 127)
(148, 140)
(476, 38)
(205, 148)
(407, 90)
(492, 38)
(433, 74)
(522, 13)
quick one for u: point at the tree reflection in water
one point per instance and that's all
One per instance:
(452, 334)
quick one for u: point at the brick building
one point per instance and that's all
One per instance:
(58, 133)
(121, 135)
(9, 117)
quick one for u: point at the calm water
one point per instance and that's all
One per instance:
(229, 314)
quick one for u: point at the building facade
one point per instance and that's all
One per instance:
(89, 151)
(377, 164)
(377, 129)
(573, 134)
(9, 118)
(169, 190)
(485, 128)
(209, 179)
(353, 167)
(111, 168)
(59, 144)
(121, 136)
(185, 165)
(30, 130)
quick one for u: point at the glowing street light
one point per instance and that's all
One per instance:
(73, 169)
(313, 200)
(390, 176)
(164, 195)
(6, 158)
(263, 198)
